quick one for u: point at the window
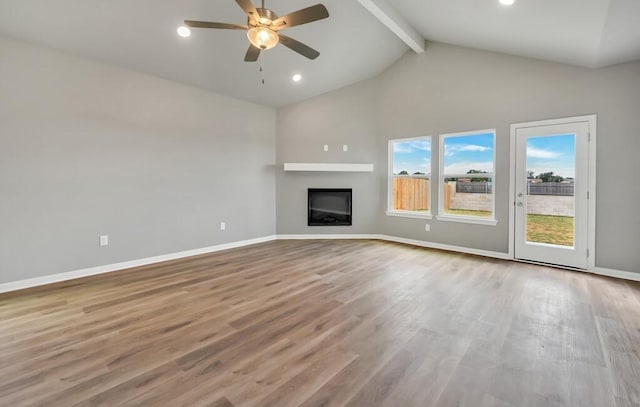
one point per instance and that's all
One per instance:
(467, 177)
(410, 177)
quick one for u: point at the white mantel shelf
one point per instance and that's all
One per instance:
(328, 167)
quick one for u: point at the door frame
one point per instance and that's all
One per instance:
(591, 186)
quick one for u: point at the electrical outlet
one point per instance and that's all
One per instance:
(427, 227)
(345, 147)
(223, 225)
(104, 240)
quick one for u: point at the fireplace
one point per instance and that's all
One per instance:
(329, 207)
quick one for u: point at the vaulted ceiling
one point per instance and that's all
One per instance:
(354, 43)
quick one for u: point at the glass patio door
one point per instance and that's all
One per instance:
(551, 203)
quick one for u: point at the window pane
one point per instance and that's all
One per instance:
(467, 197)
(411, 170)
(412, 157)
(467, 177)
(410, 194)
(550, 189)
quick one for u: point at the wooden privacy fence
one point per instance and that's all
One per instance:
(411, 194)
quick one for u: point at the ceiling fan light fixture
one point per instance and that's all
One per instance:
(263, 27)
(262, 37)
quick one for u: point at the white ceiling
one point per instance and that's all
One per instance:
(354, 45)
(592, 33)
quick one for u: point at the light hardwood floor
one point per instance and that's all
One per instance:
(325, 323)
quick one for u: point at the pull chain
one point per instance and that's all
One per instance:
(261, 58)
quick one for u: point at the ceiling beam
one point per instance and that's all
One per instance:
(395, 22)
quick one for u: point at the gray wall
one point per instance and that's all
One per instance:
(88, 149)
(346, 116)
(452, 89)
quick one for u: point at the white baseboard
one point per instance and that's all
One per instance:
(627, 275)
(70, 275)
(56, 278)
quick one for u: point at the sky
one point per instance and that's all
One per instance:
(475, 152)
(552, 153)
(470, 152)
(462, 154)
(412, 156)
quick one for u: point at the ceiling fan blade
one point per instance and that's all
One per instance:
(298, 47)
(304, 16)
(209, 24)
(248, 8)
(252, 54)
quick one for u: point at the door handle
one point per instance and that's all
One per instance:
(519, 204)
(520, 194)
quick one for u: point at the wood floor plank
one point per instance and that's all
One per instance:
(324, 323)
(440, 355)
(401, 366)
(300, 387)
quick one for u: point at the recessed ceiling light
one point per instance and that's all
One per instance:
(297, 77)
(507, 2)
(183, 31)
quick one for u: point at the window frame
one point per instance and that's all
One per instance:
(390, 177)
(441, 176)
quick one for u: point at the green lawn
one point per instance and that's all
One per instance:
(550, 229)
(540, 228)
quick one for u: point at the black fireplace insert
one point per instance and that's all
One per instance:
(329, 207)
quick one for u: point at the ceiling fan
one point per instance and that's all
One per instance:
(263, 28)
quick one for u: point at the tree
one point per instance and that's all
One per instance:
(550, 177)
(478, 179)
(403, 172)
(418, 173)
(530, 174)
